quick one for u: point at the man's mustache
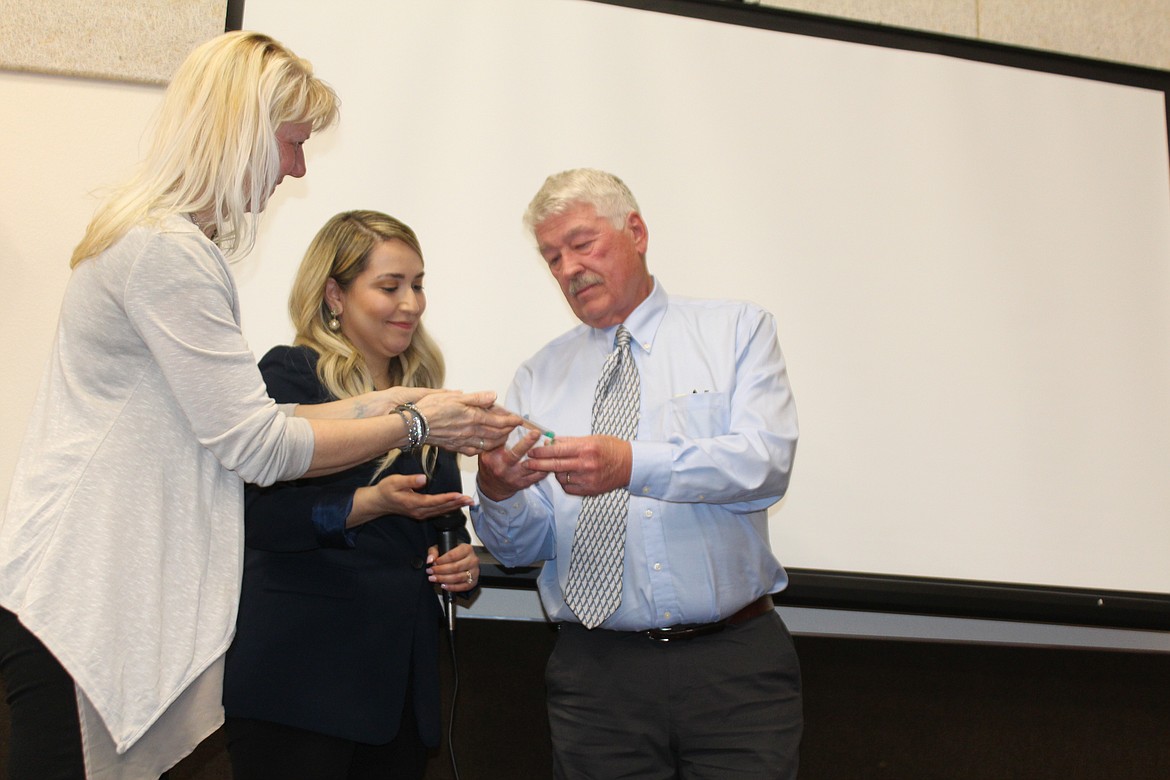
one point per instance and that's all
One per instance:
(579, 283)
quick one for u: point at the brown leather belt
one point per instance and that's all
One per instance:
(760, 606)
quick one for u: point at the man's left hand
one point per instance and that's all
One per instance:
(585, 465)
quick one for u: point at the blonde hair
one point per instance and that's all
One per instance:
(214, 147)
(341, 251)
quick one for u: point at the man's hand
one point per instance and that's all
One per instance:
(501, 470)
(585, 465)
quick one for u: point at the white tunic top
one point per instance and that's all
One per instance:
(121, 545)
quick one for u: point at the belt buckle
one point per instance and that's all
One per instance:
(665, 634)
(678, 633)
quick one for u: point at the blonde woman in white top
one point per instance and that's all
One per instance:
(120, 548)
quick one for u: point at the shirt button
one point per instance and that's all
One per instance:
(649, 513)
(417, 562)
(701, 496)
(666, 614)
(645, 488)
(658, 567)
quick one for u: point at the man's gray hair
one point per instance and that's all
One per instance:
(606, 193)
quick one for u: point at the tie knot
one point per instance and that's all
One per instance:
(623, 338)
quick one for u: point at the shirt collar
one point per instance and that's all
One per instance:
(642, 323)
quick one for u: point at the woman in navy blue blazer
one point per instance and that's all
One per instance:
(334, 669)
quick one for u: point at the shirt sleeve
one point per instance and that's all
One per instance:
(733, 448)
(522, 529)
(180, 299)
(518, 531)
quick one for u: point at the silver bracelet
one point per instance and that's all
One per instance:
(425, 433)
(402, 411)
(417, 428)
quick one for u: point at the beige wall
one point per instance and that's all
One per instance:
(1135, 32)
(128, 40)
(60, 140)
(63, 138)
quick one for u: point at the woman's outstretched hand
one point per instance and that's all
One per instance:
(398, 494)
(467, 423)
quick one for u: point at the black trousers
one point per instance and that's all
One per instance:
(45, 739)
(716, 707)
(261, 750)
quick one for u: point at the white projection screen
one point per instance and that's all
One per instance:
(969, 261)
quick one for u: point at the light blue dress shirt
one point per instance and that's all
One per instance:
(715, 445)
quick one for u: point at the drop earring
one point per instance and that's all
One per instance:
(333, 324)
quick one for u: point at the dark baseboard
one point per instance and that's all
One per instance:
(873, 709)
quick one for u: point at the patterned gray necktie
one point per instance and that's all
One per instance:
(594, 589)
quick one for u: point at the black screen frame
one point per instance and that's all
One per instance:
(824, 589)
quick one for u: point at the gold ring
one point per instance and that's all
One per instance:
(568, 477)
(470, 578)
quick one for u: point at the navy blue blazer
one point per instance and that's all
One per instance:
(330, 636)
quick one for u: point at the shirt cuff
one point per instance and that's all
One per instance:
(650, 471)
(329, 515)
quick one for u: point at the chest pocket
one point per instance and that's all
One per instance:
(698, 415)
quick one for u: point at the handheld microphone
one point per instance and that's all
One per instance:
(448, 525)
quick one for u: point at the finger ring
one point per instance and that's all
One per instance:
(481, 444)
(470, 578)
(568, 477)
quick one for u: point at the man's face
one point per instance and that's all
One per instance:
(600, 268)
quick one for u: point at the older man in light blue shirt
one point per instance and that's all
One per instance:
(692, 674)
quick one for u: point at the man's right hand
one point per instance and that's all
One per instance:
(501, 473)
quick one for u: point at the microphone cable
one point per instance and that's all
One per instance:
(454, 700)
(448, 526)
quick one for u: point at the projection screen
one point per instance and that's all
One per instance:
(969, 262)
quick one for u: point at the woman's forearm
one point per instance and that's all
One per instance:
(363, 406)
(460, 422)
(343, 444)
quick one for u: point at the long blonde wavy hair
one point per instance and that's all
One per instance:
(214, 146)
(341, 251)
